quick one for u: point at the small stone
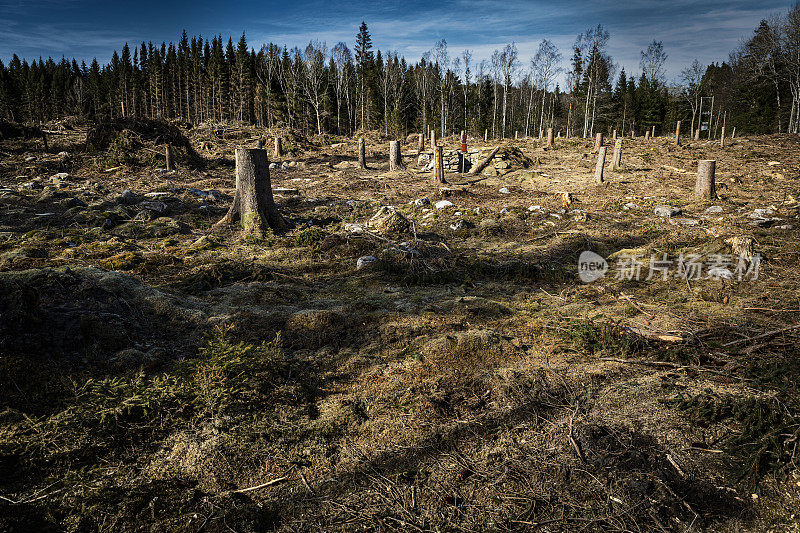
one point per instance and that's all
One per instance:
(714, 209)
(443, 204)
(504, 190)
(366, 262)
(128, 197)
(684, 221)
(630, 205)
(666, 211)
(273, 165)
(156, 206)
(419, 202)
(762, 213)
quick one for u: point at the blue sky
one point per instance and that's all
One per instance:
(706, 30)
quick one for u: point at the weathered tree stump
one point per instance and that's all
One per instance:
(549, 137)
(253, 203)
(598, 143)
(362, 158)
(278, 151)
(647, 135)
(601, 162)
(421, 144)
(653, 134)
(722, 138)
(438, 165)
(705, 186)
(697, 133)
(678, 134)
(433, 140)
(516, 134)
(395, 158)
(168, 155)
(616, 160)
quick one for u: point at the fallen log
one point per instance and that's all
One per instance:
(477, 169)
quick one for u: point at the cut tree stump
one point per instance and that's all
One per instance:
(722, 138)
(601, 162)
(438, 165)
(421, 144)
(278, 152)
(168, 155)
(616, 160)
(362, 159)
(433, 140)
(598, 142)
(678, 134)
(549, 137)
(253, 203)
(395, 158)
(705, 186)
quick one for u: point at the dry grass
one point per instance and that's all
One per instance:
(467, 382)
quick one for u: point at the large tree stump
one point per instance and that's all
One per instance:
(616, 160)
(598, 142)
(362, 157)
(601, 162)
(395, 158)
(278, 151)
(678, 134)
(438, 165)
(253, 203)
(549, 137)
(421, 144)
(705, 186)
(168, 156)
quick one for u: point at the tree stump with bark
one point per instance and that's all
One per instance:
(421, 144)
(395, 158)
(678, 134)
(598, 143)
(168, 156)
(549, 137)
(616, 160)
(362, 158)
(705, 186)
(601, 162)
(253, 203)
(278, 151)
(438, 165)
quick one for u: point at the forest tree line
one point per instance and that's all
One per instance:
(342, 90)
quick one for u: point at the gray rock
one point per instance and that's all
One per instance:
(128, 197)
(156, 206)
(421, 202)
(666, 211)
(273, 165)
(443, 204)
(714, 209)
(762, 213)
(366, 261)
(504, 190)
